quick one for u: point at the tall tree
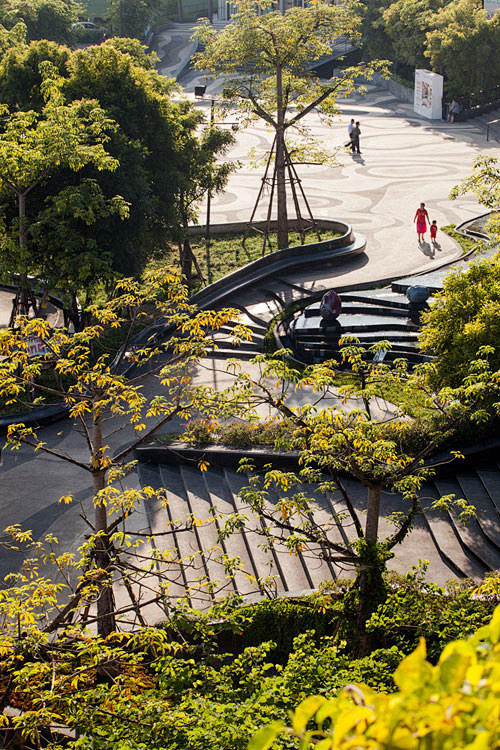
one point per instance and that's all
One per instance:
(104, 393)
(407, 22)
(32, 147)
(150, 143)
(460, 32)
(44, 19)
(130, 18)
(265, 60)
(383, 452)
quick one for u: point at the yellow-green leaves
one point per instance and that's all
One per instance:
(454, 705)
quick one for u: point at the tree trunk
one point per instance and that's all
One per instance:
(25, 297)
(371, 593)
(370, 584)
(372, 514)
(106, 622)
(187, 262)
(282, 213)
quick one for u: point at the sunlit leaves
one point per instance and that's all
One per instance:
(454, 704)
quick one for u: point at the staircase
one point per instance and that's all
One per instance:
(490, 123)
(452, 549)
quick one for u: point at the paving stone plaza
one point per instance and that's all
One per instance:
(404, 160)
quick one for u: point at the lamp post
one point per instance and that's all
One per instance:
(199, 92)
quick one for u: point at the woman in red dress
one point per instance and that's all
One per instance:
(422, 219)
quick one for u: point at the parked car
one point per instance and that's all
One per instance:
(87, 25)
(88, 32)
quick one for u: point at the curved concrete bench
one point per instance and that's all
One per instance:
(325, 253)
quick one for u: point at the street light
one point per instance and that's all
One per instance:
(199, 93)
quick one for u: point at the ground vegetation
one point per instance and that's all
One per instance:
(202, 679)
(451, 705)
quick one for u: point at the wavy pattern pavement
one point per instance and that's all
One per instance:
(405, 160)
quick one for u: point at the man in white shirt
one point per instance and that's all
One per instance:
(349, 130)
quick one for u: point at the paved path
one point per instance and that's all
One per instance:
(405, 160)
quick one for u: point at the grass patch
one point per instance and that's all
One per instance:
(466, 243)
(226, 252)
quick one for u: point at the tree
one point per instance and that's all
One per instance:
(65, 246)
(101, 398)
(130, 18)
(44, 19)
(155, 142)
(11, 37)
(32, 148)
(458, 31)
(202, 173)
(265, 58)
(464, 315)
(383, 453)
(376, 41)
(407, 22)
(451, 705)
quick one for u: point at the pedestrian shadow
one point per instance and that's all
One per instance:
(437, 246)
(358, 158)
(427, 249)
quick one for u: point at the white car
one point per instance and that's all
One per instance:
(87, 25)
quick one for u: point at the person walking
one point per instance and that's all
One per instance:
(356, 132)
(349, 131)
(434, 231)
(422, 219)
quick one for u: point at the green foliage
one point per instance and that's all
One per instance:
(415, 608)
(454, 704)
(239, 434)
(467, 244)
(177, 686)
(463, 318)
(130, 18)
(461, 32)
(159, 157)
(286, 619)
(44, 19)
(407, 23)
(441, 34)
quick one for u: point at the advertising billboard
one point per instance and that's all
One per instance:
(428, 94)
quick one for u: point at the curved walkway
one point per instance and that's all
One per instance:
(404, 160)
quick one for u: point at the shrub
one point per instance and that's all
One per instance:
(455, 704)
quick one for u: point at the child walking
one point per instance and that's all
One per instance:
(434, 230)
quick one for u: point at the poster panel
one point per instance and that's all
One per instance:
(428, 94)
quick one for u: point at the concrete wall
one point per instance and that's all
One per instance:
(240, 226)
(400, 91)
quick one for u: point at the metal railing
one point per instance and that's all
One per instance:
(491, 122)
